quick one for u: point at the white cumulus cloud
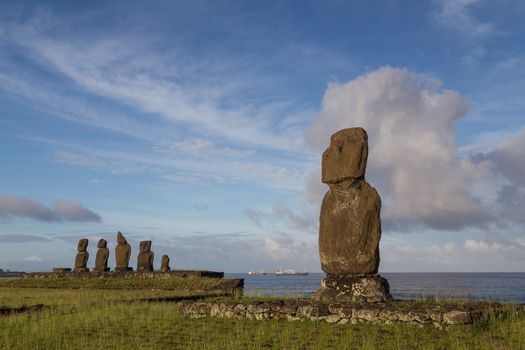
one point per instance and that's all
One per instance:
(413, 157)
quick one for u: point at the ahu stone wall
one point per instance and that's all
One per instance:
(412, 313)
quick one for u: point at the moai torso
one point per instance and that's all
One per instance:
(350, 225)
(101, 261)
(145, 257)
(165, 263)
(122, 253)
(82, 256)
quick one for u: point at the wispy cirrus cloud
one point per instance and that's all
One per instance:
(62, 210)
(121, 71)
(192, 117)
(458, 16)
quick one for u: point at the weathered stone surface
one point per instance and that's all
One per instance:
(165, 263)
(346, 157)
(122, 253)
(145, 257)
(101, 260)
(82, 256)
(352, 289)
(61, 269)
(457, 317)
(350, 224)
(350, 229)
(341, 313)
(60, 273)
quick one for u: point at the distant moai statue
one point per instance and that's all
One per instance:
(165, 263)
(82, 256)
(350, 224)
(101, 261)
(145, 257)
(122, 254)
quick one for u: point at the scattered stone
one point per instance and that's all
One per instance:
(145, 257)
(122, 254)
(165, 263)
(82, 256)
(101, 261)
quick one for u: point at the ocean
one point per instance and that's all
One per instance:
(504, 286)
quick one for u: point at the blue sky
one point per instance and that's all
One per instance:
(200, 125)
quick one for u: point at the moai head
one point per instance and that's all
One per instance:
(82, 245)
(120, 238)
(102, 243)
(345, 158)
(145, 246)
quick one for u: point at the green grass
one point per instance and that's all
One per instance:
(171, 282)
(17, 297)
(95, 319)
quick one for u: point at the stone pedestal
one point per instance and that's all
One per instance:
(354, 289)
(123, 269)
(81, 269)
(61, 269)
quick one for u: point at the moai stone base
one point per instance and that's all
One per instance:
(123, 269)
(81, 269)
(61, 269)
(354, 289)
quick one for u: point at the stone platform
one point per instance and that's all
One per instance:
(63, 273)
(407, 312)
(354, 288)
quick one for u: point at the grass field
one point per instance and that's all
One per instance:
(95, 319)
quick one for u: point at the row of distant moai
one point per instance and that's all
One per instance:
(122, 255)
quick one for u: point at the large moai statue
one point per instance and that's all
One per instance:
(101, 261)
(122, 254)
(350, 224)
(165, 263)
(145, 257)
(82, 256)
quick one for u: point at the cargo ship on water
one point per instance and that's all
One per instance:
(256, 273)
(290, 272)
